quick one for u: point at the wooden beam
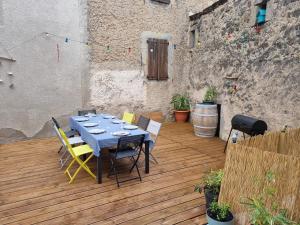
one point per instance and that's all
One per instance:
(208, 9)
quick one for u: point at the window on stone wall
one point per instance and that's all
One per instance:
(261, 12)
(162, 1)
(157, 59)
(192, 38)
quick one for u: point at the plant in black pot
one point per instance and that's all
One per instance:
(219, 214)
(211, 95)
(210, 184)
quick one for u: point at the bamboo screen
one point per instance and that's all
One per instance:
(247, 163)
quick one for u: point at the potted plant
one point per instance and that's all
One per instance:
(262, 213)
(219, 214)
(210, 95)
(181, 105)
(210, 184)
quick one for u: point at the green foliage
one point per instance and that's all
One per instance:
(181, 102)
(211, 94)
(220, 211)
(211, 181)
(260, 213)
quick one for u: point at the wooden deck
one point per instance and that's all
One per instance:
(34, 190)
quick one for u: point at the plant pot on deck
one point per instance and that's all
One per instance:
(181, 116)
(210, 196)
(214, 221)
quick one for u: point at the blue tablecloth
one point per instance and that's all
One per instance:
(98, 141)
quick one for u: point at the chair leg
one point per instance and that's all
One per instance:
(63, 162)
(61, 147)
(153, 158)
(137, 168)
(75, 174)
(70, 165)
(110, 168)
(134, 164)
(116, 173)
(86, 168)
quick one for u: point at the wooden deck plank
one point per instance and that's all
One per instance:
(34, 190)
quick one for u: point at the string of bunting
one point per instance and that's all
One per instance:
(67, 39)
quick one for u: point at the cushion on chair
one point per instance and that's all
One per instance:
(82, 149)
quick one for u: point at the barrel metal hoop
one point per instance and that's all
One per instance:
(205, 127)
(206, 115)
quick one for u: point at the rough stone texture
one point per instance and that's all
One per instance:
(43, 87)
(266, 64)
(118, 31)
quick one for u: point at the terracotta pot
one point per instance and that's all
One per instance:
(181, 116)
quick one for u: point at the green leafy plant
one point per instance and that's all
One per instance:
(181, 102)
(220, 212)
(260, 212)
(211, 94)
(211, 181)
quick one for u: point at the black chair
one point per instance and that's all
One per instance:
(69, 133)
(128, 147)
(87, 111)
(143, 122)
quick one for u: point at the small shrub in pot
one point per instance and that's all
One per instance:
(219, 214)
(210, 184)
(210, 95)
(181, 106)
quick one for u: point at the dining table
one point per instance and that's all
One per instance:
(112, 129)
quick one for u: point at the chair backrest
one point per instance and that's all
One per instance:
(86, 111)
(66, 142)
(130, 142)
(55, 122)
(143, 122)
(154, 128)
(128, 117)
(58, 134)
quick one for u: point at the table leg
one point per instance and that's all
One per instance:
(147, 156)
(99, 169)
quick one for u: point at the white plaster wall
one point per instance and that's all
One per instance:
(43, 86)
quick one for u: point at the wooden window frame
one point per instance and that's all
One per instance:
(158, 57)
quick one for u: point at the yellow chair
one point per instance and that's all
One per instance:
(128, 117)
(76, 152)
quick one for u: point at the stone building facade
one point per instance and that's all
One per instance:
(255, 73)
(118, 32)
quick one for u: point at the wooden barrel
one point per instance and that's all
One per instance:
(205, 120)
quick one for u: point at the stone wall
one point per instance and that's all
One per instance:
(263, 66)
(40, 85)
(118, 31)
